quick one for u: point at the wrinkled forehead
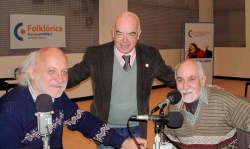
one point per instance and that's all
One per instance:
(127, 22)
(187, 69)
(52, 59)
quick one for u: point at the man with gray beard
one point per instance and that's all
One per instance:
(212, 116)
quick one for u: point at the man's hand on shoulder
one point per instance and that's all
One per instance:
(215, 86)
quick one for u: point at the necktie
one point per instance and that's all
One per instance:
(127, 65)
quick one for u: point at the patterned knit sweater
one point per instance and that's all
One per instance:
(18, 123)
(216, 123)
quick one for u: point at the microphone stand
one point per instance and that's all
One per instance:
(161, 125)
(45, 139)
(158, 135)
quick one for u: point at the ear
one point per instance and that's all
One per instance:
(139, 33)
(203, 81)
(113, 33)
(31, 72)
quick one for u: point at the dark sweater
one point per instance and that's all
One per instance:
(18, 123)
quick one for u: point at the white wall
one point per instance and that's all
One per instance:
(235, 62)
(231, 62)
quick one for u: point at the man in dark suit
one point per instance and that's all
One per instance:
(121, 91)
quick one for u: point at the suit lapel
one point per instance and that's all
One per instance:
(106, 70)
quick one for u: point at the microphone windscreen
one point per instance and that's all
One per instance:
(44, 103)
(174, 96)
(175, 120)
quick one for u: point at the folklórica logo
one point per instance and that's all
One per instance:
(18, 32)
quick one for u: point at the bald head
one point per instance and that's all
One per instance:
(125, 17)
(50, 54)
(192, 65)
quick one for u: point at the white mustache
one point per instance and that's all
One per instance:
(187, 91)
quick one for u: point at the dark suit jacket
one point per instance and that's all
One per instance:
(98, 62)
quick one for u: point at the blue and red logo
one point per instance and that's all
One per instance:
(198, 33)
(190, 33)
(18, 33)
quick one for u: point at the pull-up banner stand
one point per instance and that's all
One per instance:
(199, 45)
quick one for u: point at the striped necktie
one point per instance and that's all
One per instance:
(127, 65)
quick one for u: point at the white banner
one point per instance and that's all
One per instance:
(199, 45)
(36, 31)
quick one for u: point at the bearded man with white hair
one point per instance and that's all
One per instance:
(212, 116)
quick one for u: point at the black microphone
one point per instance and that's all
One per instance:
(44, 108)
(173, 98)
(172, 119)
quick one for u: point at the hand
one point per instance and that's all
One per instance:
(130, 144)
(207, 47)
(215, 86)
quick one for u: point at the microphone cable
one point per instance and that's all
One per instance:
(131, 134)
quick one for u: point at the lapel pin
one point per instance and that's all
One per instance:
(147, 65)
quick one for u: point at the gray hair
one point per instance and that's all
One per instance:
(23, 78)
(198, 64)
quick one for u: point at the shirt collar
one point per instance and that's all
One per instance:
(191, 118)
(33, 94)
(119, 55)
(131, 53)
(204, 95)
